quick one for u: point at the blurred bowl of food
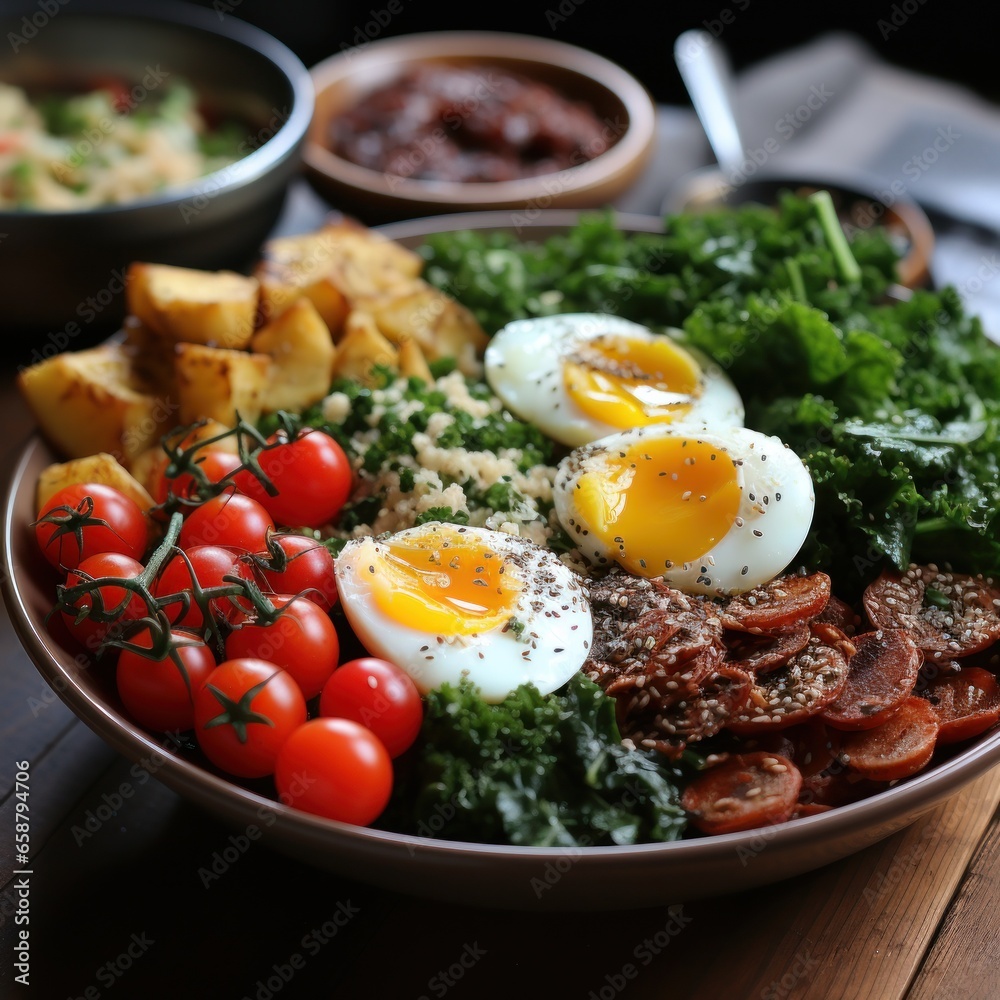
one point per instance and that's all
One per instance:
(162, 132)
(457, 121)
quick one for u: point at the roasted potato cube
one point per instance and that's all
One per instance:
(367, 263)
(147, 467)
(152, 356)
(101, 468)
(332, 268)
(441, 326)
(297, 266)
(362, 348)
(302, 355)
(217, 384)
(91, 401)
(412, 361)
(217, 308)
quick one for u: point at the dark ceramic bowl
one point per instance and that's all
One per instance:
(855, 198)
(594, 878)
(61, 272)
(617, 98)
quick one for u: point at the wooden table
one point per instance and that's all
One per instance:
(136, 893)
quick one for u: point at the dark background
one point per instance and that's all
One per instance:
(937, 37)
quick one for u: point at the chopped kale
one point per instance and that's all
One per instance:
(535, 770)
(893, 405)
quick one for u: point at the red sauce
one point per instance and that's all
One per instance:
(468, 124)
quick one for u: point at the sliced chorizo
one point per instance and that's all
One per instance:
(950, 615)
(881, 676)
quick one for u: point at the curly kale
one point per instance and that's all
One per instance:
(534, 770)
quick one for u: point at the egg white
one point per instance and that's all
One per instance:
(772, 521)
(524, 367)
(545, 641)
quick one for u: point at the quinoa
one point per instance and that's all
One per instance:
(445, 451)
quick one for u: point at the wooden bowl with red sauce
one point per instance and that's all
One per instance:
(454, 121)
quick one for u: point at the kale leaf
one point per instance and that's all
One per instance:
(534, 770)
(893, 405)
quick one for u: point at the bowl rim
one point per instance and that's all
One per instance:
(633, 144)
(241, 172)
(908, 799)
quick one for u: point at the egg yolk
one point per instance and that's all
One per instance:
(629, 382)
(445, 582)
(660, 503)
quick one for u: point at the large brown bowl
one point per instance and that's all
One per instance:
(618, 99)
(596, 878)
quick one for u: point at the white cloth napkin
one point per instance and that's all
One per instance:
(926, 139)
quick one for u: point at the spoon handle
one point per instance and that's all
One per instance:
(705, 70)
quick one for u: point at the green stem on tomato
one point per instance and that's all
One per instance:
(162, 550)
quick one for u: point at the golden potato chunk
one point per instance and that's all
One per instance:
(362, 348)
(412, 361)
(92, 401)
(367, 263)
(302, 355)
(216, 308)
(331, 267)
(297, 266)
(217, 384)
(440, 326)
(101, 468)
(151, 355)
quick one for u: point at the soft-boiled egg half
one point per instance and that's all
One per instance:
(710, 511)
(444, 601)
(583, 376)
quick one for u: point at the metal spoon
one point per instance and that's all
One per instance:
(707, 74)
(704, 67)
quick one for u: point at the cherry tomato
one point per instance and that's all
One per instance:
(214, 462)
(335, 768)
(99, 519)
(155, 692)
(244, 712)
(302, 641)
(380, 696)
(231, 520)
(312, 475)
(92, 633)
(309, 571)
(210, 564)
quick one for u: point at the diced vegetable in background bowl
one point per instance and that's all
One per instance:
(63, 249)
